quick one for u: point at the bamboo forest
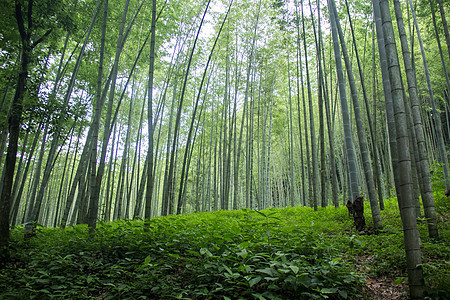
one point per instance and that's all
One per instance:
(224, 149)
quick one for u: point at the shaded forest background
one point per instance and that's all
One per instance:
(251, 127)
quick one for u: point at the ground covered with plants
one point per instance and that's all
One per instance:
(290, 253)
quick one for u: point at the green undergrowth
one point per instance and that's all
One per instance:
(291, 253)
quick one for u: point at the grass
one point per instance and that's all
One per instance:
(291, 253)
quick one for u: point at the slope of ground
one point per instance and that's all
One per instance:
(291, 253)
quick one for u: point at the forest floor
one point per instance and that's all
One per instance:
(379, 287)
(290, 253)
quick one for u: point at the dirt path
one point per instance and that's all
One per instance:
(380, 287)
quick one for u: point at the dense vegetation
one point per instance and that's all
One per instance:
(290, 253)
(117, 110)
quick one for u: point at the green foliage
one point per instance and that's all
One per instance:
(442, 203)
(437, 177)
(273, 254)
(384, 254)
(291, 253)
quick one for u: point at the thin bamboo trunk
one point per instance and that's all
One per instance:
(291, 142)
(407, 209)
(150, 182)
(93, 206)
(299, 71)
(437, 121)
(171, 177)
(18, 194)
(376, 216)
(332, 151)
(62, 179)
(423, 164)
(441, 54)
(313, 171)
(444, 25)
(322, 172)
(348, 139)
(188, 143)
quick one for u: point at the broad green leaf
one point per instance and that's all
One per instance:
(43, 280)
(206, 251)
(294, 269)
(268, 271)
(193, 252)
(262, 214)
(284, 270)
(244, 244)
(328, 290)
(343, 294)
(254, 281)
(227, 269)
(145, 263)
(335, 261)
(259, 296)
(271, 278)
(58, 287)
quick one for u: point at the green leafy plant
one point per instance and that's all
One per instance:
(220, 255)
